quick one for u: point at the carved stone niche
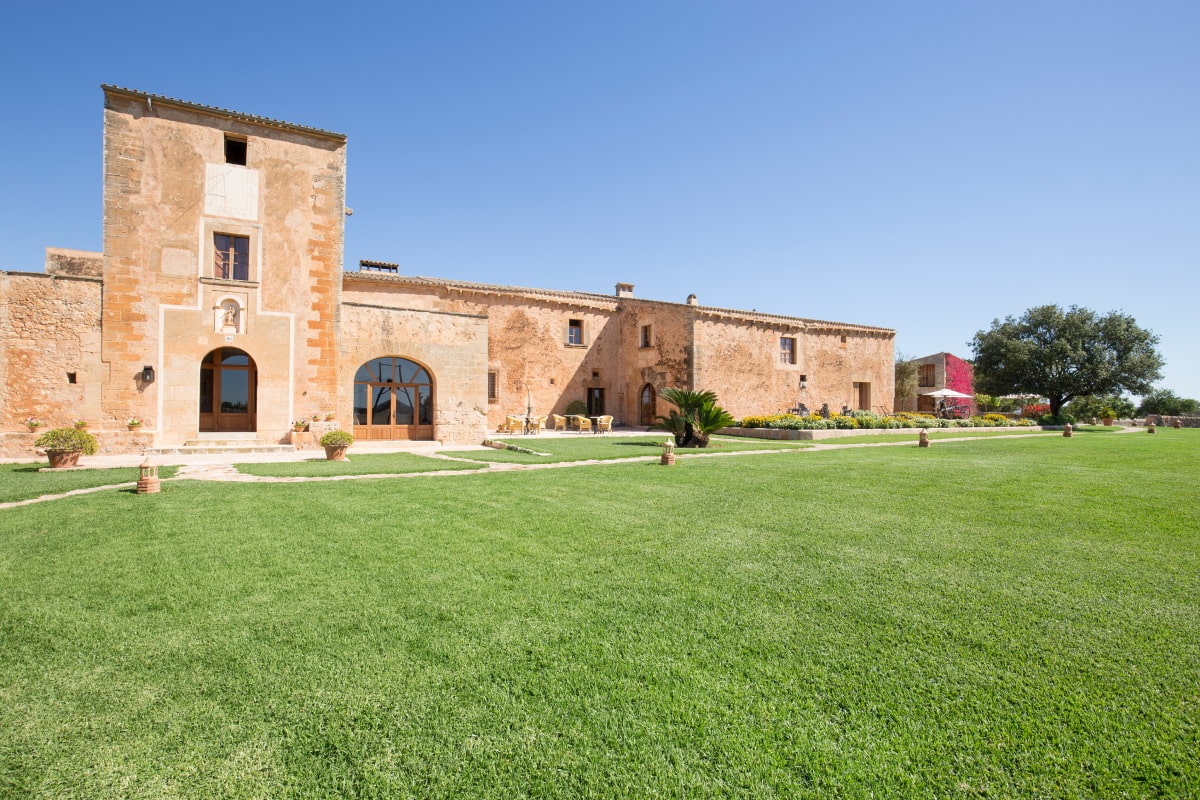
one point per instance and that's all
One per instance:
(229, 316)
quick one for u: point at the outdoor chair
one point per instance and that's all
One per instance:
(582, 423)
(513, 424)
(536, 424)
(604, 424)
(560, 422)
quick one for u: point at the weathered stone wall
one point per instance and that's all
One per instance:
(451, 346)
(666, 363)
(50, 363)
(79, 263)
(167, 191)
(740, 361)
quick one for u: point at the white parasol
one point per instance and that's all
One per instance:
(944, 393)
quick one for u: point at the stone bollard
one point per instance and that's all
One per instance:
(1149, 427)
(923, 438)
(1068, 431)
(668, 456)
(1094, 421)
(1178, 424)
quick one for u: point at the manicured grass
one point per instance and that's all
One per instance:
(588, 448)
(355, 464)
(978, 619)
(913, 435)
(25, 482)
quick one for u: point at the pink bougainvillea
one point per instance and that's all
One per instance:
(960, 376)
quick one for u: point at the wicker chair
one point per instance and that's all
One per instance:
(536, 424)
(604, 424)
(513, 424)
(560, 422)
(582, 423)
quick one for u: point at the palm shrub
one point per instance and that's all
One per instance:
(697, 419)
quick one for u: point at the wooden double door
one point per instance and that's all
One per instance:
(228, 391)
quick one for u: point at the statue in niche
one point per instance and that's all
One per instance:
(229, 317)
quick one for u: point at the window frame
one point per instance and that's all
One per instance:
(572, 326)
(647, 337)
(787, 349)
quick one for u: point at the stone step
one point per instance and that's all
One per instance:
(230, 442)
(219, 449)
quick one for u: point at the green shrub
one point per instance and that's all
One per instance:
(69, 439)
(337, 439)
(576, 408)
(1056, 419)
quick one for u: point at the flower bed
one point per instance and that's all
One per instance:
(866, 420)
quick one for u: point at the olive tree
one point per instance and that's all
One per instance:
(1061, 355)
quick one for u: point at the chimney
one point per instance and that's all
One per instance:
(624, 290)
(692, 300)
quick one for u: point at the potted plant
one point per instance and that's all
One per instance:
(1107, 415)
(316, 417)
(33, 423)
(329, 416)
(298, 425)
(79, 424)
(133, 423)
(63, 446)
(335, 444)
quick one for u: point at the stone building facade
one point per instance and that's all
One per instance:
(219, 308)
(940, 371)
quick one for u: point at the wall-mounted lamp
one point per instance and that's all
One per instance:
(147, 374)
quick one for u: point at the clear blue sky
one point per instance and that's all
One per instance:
(925, 166)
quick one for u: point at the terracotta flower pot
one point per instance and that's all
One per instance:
(134, 427)
(1107, 422)
(335, 452)
(63, 458)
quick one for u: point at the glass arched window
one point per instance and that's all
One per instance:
(393, 399)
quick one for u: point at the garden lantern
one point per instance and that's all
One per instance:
(1068, 431)
(668, 456)
(148, 478)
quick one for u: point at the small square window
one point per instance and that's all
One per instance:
(72, 377)
(595, 374)
(235, 150)
(647, 336)
(575, 331)
(787, 350)
(231, 257)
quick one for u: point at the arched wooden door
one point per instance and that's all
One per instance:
(647, 405)
(393, 399)
(228, 391)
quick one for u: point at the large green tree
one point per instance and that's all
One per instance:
(1167, 403)
(1065, 354)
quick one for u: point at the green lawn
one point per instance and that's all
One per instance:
(913, 435)
(977, 620)
(603, 448)
(355, 464)
(25, 482)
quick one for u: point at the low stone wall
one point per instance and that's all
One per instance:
(1169, 422)
(777, 434)
(109, 443)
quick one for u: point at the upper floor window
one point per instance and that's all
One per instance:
(575, 331)
(925, 375)
(235, 150)
(787, 350)
(493, 388)
(231, 257)
(647, 336)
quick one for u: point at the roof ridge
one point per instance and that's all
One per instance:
(450, 282)
(268, 121)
